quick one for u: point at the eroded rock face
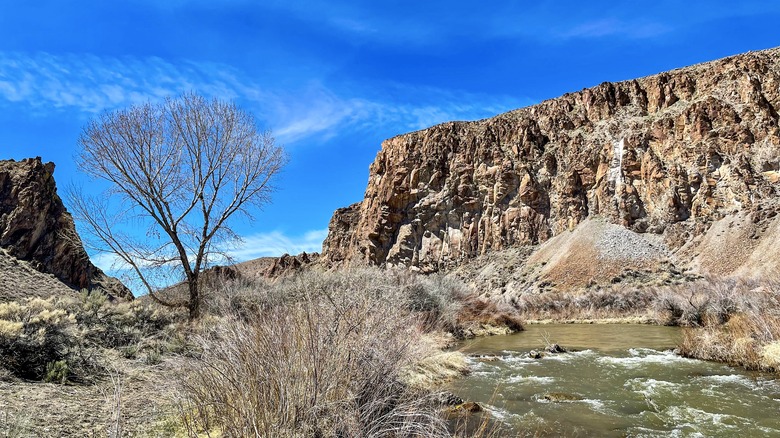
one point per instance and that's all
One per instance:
(666, 154)
(341, 233)
(36, 227)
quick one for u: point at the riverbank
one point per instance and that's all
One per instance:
(321, 339)
(745, 332)
(644, 320)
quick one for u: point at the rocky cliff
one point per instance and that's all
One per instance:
(36, 228)
(664, 156)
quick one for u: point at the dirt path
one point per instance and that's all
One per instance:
(33, 409)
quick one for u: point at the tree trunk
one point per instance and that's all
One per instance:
(194, 304)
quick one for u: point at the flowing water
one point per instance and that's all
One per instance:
(620, 380)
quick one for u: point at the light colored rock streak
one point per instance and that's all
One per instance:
(616, 166)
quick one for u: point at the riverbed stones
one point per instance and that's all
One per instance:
(559, 397)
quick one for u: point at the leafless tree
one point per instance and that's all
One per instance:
(182, 169)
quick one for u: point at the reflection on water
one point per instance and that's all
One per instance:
(622, 380)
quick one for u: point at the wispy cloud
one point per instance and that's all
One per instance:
(439, 22)
(271, 244)
(276, 243)
(90, 84)
(614, 27)
(397, 107)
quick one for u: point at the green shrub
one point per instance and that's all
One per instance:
(57, 372)
(111, 325)
(130, 351)
(153, 357)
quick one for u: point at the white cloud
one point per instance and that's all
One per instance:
(107, 262)
(276, 243)
(612, 27)
(91, 84)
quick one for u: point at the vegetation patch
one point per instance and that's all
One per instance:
(345, 353)
(735, 322)
(60, 339)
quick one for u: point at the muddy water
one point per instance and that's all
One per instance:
(623, 380)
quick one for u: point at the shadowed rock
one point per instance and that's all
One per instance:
(36, 228)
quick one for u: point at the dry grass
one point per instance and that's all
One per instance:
(353, 353)
(322, 355)
(601, 304)
(35, 409)
(435, 369)
(735, 322)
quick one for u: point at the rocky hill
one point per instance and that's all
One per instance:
(673, 173)
(38, 237)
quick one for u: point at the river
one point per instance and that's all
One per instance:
(617, 380)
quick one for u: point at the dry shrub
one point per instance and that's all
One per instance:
(705, 302)
(320, 355)
(118, 325)
(739, 324)
(437, 302)
(36, 334)
(614, 302)
(477, 315)
(61, 338)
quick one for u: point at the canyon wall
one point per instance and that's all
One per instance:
(36, 228)
(665, 155)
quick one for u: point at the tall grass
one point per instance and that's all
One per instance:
(735, 322)
(322, 355)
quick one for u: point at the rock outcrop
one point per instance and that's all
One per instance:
(266, 268)
(36, 228)
(665, 155)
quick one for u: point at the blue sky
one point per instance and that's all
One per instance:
(333, 79)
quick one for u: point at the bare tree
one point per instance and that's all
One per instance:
(183, 169)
